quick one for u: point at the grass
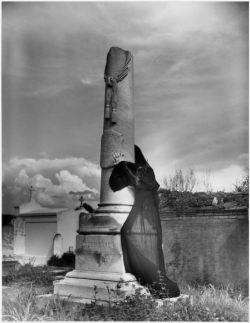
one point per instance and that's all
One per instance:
(39, 276)
(206, 303)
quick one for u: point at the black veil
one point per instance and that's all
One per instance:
(141, 233)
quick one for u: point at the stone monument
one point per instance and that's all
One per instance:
(99, 271)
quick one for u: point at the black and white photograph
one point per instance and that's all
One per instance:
(125, 161)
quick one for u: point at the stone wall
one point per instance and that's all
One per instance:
(207, 248)
(7, 240)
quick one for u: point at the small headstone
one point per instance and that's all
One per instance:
(57, 245)
(215, 201)
(9, 265)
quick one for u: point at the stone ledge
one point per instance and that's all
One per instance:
(206, 217)
(113, 277)
(43, 299)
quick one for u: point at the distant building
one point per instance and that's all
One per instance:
(40, 232)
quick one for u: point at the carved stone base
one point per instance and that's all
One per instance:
(99, 273)
(85, 287)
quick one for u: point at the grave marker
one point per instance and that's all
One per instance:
(99, 257)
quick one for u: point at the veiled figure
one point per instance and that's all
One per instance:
(141, 234)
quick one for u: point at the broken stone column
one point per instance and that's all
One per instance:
(118, 127)
(99, 271)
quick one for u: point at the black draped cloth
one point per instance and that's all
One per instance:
(141, 234)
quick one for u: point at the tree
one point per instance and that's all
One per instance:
(243, 184)
(181, 182)
(207, 181)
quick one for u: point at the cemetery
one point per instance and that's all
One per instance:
(134, 259)
(39, 233)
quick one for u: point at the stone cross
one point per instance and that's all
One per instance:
(81, 200)
(31, 190)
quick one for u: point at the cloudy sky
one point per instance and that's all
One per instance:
(191, 91)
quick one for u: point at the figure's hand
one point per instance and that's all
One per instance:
(117, 157)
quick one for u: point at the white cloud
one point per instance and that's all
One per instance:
(81, 166)
(227, 177)
(22, 178)
(52, 179)
(71, 182)
(45, 199)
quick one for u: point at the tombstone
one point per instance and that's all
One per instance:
(19, 238)
(99, 257)
(36, 229)
(215, 201)
(7, 240)
(58, 245)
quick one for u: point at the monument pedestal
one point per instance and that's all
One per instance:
(99, 273)
(85, 287)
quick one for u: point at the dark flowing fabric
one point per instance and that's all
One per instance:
(141, 234)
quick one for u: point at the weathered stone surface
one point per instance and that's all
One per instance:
(19, 237)
(210, 248)
(90, 286)
(111, 139)
(99, 252)
(118, 134)
(9, 265)
(58, 245)
(7, 240)
(106, 221)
